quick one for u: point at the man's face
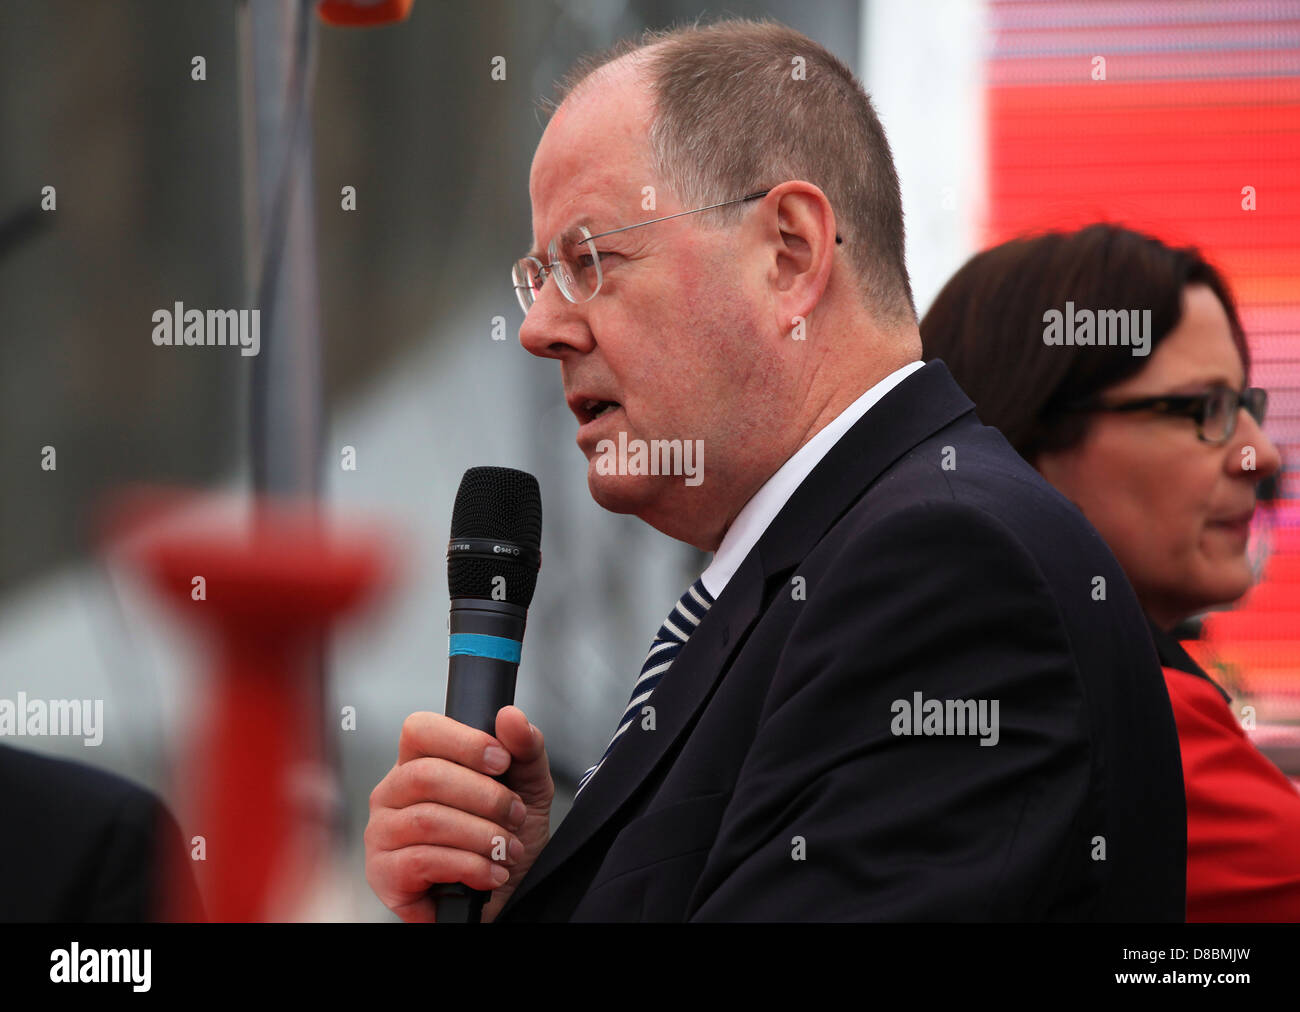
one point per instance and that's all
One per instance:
(675, 337)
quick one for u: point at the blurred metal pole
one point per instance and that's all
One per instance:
(277, 50)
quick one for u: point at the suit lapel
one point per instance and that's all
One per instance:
(923, 403)
(676, 698)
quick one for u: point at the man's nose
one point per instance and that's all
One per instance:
(1249, 435)
(553, 327)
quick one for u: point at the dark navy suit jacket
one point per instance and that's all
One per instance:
(773, 786)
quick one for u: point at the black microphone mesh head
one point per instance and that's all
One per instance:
(501, 504)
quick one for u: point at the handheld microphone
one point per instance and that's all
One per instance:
(492, 563)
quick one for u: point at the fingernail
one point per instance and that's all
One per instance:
(496, 759)
(516, 849)
(500, 873)
(517, 814)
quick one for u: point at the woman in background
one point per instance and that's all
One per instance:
(1158, 441)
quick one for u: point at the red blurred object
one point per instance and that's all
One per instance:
(1165, 157)
(274, 579)
(355, 13)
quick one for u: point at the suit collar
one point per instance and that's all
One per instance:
(919, 406)
(914, 410)
(757, 514)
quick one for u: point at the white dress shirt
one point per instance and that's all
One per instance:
(767, 502)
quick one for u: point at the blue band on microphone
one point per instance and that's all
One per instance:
(499, 648)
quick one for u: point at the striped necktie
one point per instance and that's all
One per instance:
(668, 643)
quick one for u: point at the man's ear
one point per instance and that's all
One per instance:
(799, 226)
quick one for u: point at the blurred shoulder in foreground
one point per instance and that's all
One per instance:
(83, 844)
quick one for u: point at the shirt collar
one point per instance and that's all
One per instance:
(766, 503)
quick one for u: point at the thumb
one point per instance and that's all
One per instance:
(529, 773)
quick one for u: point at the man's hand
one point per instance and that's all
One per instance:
(434, 816)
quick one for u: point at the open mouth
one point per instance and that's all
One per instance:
(591, 410)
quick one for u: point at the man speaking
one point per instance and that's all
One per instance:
(913, 683)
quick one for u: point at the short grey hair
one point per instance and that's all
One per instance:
(733, 117)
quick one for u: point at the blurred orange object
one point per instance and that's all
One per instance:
(354, 13)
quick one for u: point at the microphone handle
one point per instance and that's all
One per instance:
(483, 659)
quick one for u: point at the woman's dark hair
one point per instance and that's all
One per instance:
(987, 324)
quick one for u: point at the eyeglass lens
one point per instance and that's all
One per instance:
(574, 263)
(1222, 406)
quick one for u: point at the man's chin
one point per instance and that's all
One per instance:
(620, 493)
(654, 500)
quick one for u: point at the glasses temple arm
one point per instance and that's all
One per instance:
(666, 217)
